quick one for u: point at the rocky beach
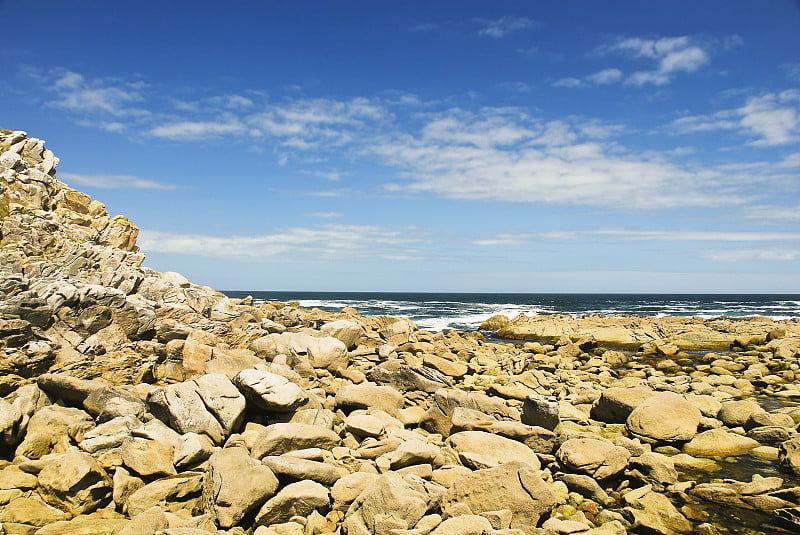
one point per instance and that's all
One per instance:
(137, 402)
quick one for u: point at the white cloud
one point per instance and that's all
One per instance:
(772, 118)
(506, 155)
(674, 235)
(504, 26)
(195, 130)
(326, 215)
(332, 241)
(604, 77)
(773, 213)
(672, 55)
(744, 255)
(569, 82)
(112, 181)
(95, 96)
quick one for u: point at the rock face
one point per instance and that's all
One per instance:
(134, 402)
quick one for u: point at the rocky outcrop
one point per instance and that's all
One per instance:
(137, 402)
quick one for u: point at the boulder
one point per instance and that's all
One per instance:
(75, 482)
(369, 396)
(513, 486)
(234, 485)
(303, 349)
(192, 449)
(664, 416)
(593, 457)
(110, 402)
(464, 525)
(50, 430)
(148, 457)
(277, 439)
(347, 331)
(390, 501)
(347, 488)
(718, 443)
(481, 449)
(737, 413)
(653, 468)
(296, 499)
(651, 512)
(615, 404)
(170, 494)
(438, 418)
(294, 468)
(541, 411)
(789, 455)
(269, 391)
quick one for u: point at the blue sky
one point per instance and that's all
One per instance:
(428, 146)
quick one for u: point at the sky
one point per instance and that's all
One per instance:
(452, 146)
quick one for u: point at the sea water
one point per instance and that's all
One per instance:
(466, 311)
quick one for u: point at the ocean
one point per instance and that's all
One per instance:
(465, 311)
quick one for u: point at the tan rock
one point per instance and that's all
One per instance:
(75, 482)
(719, 443)
(664, 416)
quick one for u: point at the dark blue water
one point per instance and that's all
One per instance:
(465, 311)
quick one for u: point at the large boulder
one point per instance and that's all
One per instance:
(303, 349)
(347, 331)
(482, 450)
(719, 443)
(664, 417)
(234, 485)
(269, 391)
(513, 486)
(75, 482)
(389, 502)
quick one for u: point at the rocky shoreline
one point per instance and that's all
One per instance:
(136, 402)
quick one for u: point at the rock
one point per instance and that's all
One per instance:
(148, 457)
(653, 468)
(85, 525)
(170, 494)
(401, 376)
(110, 402)
(596, 458)
(347, 488)
(585, 486)
(269, 391)
(615, 404)
(347, 331)
(277, 439)
(299, 469)
(664, 416)
(737, 413)
(192, 449)
(718, 443)
(49, 431)
(391, 501)
(540, 440)
(486, 450)
(30, 511)
(75, 482)
(151, 521)
(295, 499)
(182, 407)
(513, 486)
(448, 367)
(370, 396)
(364, 425)
(540, 411)
(464, 525)
(60, 386)
(303, 349)
(789, 455)
(438, 419)
(651, 512)
(410, 452)
(235, 484)
(223, 400)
